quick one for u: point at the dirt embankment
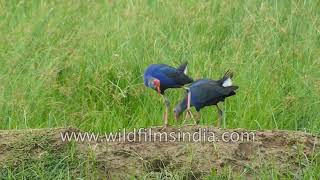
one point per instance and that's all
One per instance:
(247, 153)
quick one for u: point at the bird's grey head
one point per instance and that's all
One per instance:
(180, 108)
(154, 84)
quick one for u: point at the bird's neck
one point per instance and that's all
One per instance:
(183, 104)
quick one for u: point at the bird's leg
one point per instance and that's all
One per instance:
(197, 119)
(189, 113)
(219, 116)
(165, 116)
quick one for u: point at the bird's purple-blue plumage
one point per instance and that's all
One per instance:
(168, 76)
(206, 92)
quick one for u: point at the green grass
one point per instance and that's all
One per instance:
(54, 162)
(80, 63)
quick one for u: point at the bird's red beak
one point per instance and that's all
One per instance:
(176, 116)
(156, 83)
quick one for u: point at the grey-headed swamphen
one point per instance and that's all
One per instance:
(161, 77)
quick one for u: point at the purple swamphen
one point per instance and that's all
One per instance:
(206, 92)
(161, 77)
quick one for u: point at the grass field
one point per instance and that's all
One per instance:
(80, 63)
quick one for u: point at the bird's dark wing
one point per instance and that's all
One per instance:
(176, 75)
(207, 90)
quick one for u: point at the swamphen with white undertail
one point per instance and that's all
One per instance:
(206, 92)
(161, 77)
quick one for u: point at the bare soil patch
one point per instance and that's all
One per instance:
(287, 151)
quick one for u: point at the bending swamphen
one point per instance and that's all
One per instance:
(161, 77)
(205, 92)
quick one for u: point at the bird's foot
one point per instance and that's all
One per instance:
(164, 127)
(218, 126)
(189, 114)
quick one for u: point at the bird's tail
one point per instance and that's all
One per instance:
(226, 79)
(228, 74)
(183, 67)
